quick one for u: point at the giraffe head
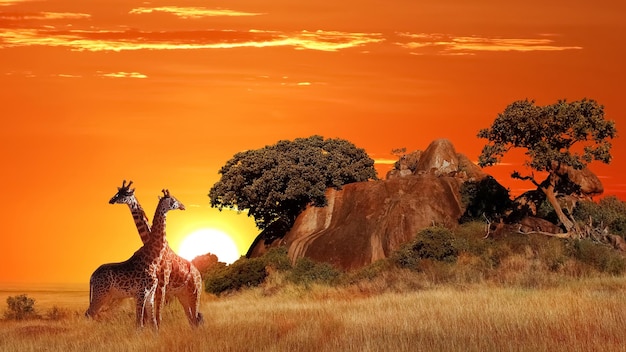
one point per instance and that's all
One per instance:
(169, 202)
(124, 195)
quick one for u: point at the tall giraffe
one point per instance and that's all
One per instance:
(136, 277)
(185, 281)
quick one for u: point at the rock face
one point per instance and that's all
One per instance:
(367, 221)
(439, 158)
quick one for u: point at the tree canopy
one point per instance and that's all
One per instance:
(278, 181)
(562, 134)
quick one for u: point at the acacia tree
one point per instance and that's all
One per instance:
(277, 182)
(562, 134)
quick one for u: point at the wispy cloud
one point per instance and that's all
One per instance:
(191, 12)
(382, 161)
(12, 2)
(18, 16)
(103, 40)
(67, 75)
(123, 74)
(444, 44)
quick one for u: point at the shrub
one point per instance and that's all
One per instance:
(20, 307)
(56, 313)
(433, 243)
(600, 257)
(406, 258)
(307, 271)
(242, 273)
(277, 258)
(610, 211)
(436, 243)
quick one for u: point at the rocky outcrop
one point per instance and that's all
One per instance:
(367, 221)
(439, 159)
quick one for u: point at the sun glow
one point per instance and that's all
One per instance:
(212, 241)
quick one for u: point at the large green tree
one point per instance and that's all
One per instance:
(562, 134)
(275, 183)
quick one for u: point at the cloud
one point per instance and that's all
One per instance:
(12, 2)
(123, 74)
(382, 161)
(103, 40)
(67, 75)
(19, 16)
(444, 44)
(191, 12)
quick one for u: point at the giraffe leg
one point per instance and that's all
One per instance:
(185, 302)
(150, 305)
(189, 298)
(140, 302)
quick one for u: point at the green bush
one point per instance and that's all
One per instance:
(307, 271)
(609, 211)
(277, 258)
(242, 273)
(434, 243)
(20, 307)
(406, 258)
(598, 256)
(437, 243)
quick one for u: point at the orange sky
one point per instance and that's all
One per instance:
(164, 93)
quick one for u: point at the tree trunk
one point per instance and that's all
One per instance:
(548, 190)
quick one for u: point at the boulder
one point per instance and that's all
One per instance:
(468, 170)
(367, 221)
(590, 185)
(439, 158)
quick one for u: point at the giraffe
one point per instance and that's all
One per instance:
(185, 281)
(136, 277)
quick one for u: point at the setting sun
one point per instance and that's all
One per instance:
(209, 241)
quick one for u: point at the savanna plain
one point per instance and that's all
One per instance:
(580, 315)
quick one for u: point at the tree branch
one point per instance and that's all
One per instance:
(531, 178)
(558, 235)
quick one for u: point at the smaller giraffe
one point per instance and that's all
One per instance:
(136, 277)
(185, 281)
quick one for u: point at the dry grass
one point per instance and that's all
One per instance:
(583, 315)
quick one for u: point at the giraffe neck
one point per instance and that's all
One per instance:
(157, 232)
(141, 221)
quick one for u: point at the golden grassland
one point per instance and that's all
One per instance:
(579, 315)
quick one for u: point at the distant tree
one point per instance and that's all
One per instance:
(398, 152)
(277, 182)
(562, 134)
